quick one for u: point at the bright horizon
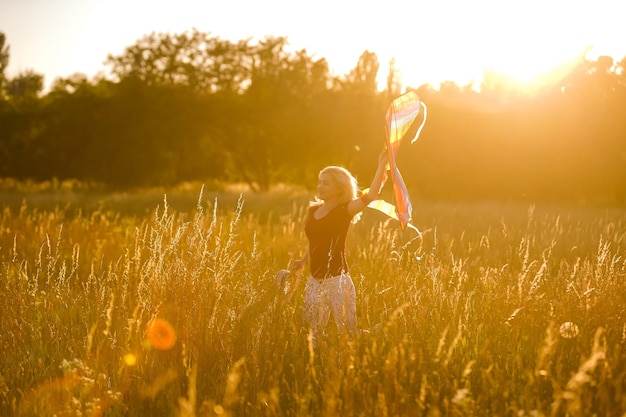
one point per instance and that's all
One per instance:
(432, 42)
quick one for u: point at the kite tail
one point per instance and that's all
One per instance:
(400, 116)
(419, 130)
(390, 210)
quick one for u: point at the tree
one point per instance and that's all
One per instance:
(394, 82)
(193, 59)
(25, 87)
(70, 85)
(272, 120)
(362, 78)
(4, 62)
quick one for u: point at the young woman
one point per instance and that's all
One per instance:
(329, 287)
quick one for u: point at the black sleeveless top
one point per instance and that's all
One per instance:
(327, 241)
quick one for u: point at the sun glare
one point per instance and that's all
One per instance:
(525, 65)
(432, 42)
(526, 45)
(521, 69)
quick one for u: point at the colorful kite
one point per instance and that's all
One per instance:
(400, 116)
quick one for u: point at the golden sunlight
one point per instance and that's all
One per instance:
(526, 44)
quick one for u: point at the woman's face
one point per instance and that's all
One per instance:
(327, 187)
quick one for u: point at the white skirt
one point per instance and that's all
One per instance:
(336, 295)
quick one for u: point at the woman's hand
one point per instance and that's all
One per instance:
(298, 264)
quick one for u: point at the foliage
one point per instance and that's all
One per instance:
(192, 59)
(25, 87)
(193, 107)
(4, 61)
(500, 309)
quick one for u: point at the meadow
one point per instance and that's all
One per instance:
(164, 303)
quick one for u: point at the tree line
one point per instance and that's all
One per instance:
(194, 107)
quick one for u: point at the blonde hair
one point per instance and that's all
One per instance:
(347, 183)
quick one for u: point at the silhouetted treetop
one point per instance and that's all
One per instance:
(4, 61)
(194, 59)
(192, 106)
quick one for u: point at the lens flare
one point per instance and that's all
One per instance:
(130, 359)
(161, 334)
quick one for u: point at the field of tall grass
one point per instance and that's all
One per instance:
(165, 304)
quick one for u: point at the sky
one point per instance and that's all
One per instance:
(432, 41)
